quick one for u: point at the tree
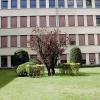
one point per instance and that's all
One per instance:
(21, 56)
(49, 45)
(75, 55)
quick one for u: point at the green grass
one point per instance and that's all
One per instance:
(86, 86)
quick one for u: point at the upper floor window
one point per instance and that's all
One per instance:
(42, 3)
(70, 3)
(98, 20)
(88, 3)
(23, 3)
(32, 3)
(79, 3)
(51, 3)
(97, 3)
(61, 3)
(13, 3)
(4, 3)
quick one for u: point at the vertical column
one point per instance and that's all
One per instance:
(47, 21)
(66, 19)
(76, 20)
(0, 61)
(28, 38)
(93, 3)
(77, 40)
(28, 21)
(0, 4)
(84, 3)
(28, 3)
(18, 41)
(8, 42)
(85, 20)
(56, 3)
(9, 22)
(38, 21)
(86, 39)
(96, 58)
(66, 5)
(87, 59)
(75, 4)
(37, 3)
(94, 20)
(9, 61)
(0, 22)
(47, 3)
(9, 4)
(68, 57)
(18, 4)
(95, 39)
(18, 21)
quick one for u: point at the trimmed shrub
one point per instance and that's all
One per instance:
(69, 68)
(21, 56)
(30, 69)
(75, 55)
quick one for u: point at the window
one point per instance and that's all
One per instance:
(72, 39)
(52, 21)
(62, 21)
(4, 3)
(3, 61)
(4, 22)
(89, 20)
(63, 58)
(88, 3)
(90, 39)
(13, 41)
(98, 39)
(13, 22)
(97, 3)
(71, 20)
(79, 3)
(13, 3)
(23, 21)
(70, 3)
(63, 39)
(80, 20)
(23, 3)
(32, 3)
(83, 58)
(23, 41)
(42, 21)
(98, 20)
(61, 3)
(92, 58)
(33, 21)
(42, 4)
(4, 41)
(51, 3)
(81, 39)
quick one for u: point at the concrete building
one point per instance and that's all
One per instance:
(78, 18)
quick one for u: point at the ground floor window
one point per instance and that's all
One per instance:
(63, 58)
(3, 61)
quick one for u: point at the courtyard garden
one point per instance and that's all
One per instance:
(85, 86)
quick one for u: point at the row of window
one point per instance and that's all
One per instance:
(72, 40)
(52, 21)
(52, 3)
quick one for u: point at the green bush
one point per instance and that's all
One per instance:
(75, 55)
(69, 68)
(30, 69)
(21, 56)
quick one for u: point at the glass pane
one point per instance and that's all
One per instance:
(42, 4)
(61, 3)
(23, 4)
(4, 3)
(97, 3)
(51, 3)
(32, 3)
(70, 3)
(79, 3)
(13, 3)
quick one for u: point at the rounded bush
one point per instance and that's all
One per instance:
(21, 56)
(75, 55)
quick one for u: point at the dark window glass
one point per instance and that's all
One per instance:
(4, 3)
(3, 61)
(60, 3)
(88, 3)
(13, 3)
(51, 3)
(79, 3)
(98, 20)
(32, 3)
(70, 3)
(42, 3)
(97, 3)
(23, 4)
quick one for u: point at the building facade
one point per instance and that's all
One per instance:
(80, 19)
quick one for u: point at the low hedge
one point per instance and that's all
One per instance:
(30, 69)
(69, 68)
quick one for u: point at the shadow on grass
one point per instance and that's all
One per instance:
(6, 76)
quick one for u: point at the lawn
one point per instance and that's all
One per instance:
(86, 86)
